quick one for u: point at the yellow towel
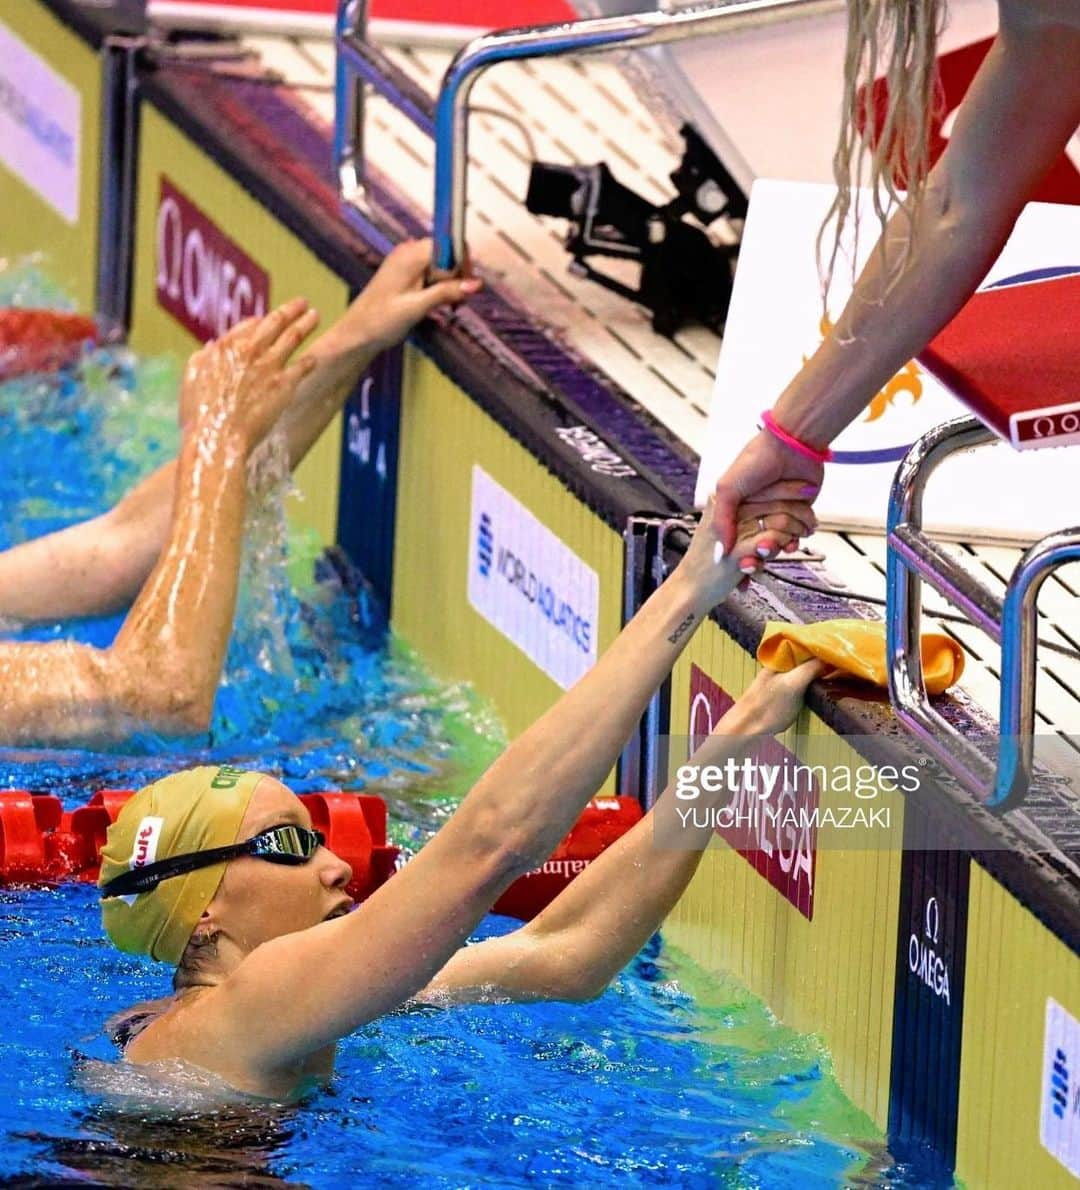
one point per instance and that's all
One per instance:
(855, 647)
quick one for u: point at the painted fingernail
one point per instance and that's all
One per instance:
(809, 491)
(718, 553)
(763, 551)
(748, 567)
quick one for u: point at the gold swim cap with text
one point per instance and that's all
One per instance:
(187, 811)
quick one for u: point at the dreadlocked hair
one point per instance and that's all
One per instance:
(887, 121)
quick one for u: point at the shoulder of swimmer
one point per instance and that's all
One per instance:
(148, 1032)
(190, 1030)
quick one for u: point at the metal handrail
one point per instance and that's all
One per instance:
(913, 558)
(633, 31)
(358, 62)
(447, 119)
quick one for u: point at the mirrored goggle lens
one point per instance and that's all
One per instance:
(287, 844)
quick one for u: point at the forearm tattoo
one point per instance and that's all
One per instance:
(682, 630)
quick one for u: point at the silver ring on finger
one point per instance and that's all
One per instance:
(761, 524)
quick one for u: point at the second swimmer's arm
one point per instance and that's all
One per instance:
(98, 566)
(590, 931)
(386, 310)
(162, 670)
(1019, 114)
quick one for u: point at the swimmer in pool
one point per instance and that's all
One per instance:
(1016, 119)
(272, 968)
(175, 540)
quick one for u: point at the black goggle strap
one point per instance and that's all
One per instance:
(280, 844)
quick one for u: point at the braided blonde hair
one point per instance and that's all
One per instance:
(895, 40)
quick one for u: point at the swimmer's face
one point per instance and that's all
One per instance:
(257, 901)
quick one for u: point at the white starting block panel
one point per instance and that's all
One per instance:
(775, 323)
(767, 97)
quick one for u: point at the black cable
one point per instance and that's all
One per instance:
(519, 124)
(950, 617)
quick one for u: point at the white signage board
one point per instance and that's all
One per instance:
(774, 323)
(40, 125)
(529, 584)
(1059, 1113)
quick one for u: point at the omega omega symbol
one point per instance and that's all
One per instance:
(932, 920)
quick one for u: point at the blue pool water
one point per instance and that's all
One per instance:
(671, 1078)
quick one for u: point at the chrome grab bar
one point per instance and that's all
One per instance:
(633, 31)
(914, 558)
(359, 63)
(447, 118)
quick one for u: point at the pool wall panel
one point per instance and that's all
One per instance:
(370, 452)
(1014, 964)
(831, 974)
(929, 1008)
(31, 224)
(444, 435)
(291, 268)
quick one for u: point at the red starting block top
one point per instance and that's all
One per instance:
(1012, 355)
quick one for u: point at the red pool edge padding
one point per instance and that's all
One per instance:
(42, 843)
(41, 340)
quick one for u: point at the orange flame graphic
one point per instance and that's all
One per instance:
(907, 380)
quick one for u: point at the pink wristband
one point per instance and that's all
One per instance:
(781, 435)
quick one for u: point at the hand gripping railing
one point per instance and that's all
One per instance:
(447, 118)
(914, 557)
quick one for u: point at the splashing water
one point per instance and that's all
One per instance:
(313, 688)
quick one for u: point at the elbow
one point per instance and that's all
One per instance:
(178, 710)
(168, 702)
(501, 847)
(187, 718)
(569, 966)
(962, 223)
(583, 990)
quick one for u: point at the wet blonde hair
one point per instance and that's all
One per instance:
(895, 40)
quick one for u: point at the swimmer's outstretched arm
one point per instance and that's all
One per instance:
(97, 567)
(299, 992)
(390, 305)
(163, 669)
(594, 927)
(92, 568)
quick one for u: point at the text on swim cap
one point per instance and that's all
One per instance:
(146, 842)
(226, 777)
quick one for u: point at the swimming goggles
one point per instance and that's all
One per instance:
(277, 844)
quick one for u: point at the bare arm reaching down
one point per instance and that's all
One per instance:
(1016, 119)
(163, 669)
(98, 567)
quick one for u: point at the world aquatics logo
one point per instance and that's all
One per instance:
(485, 546)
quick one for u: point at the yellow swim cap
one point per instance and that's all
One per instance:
(187, 811)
